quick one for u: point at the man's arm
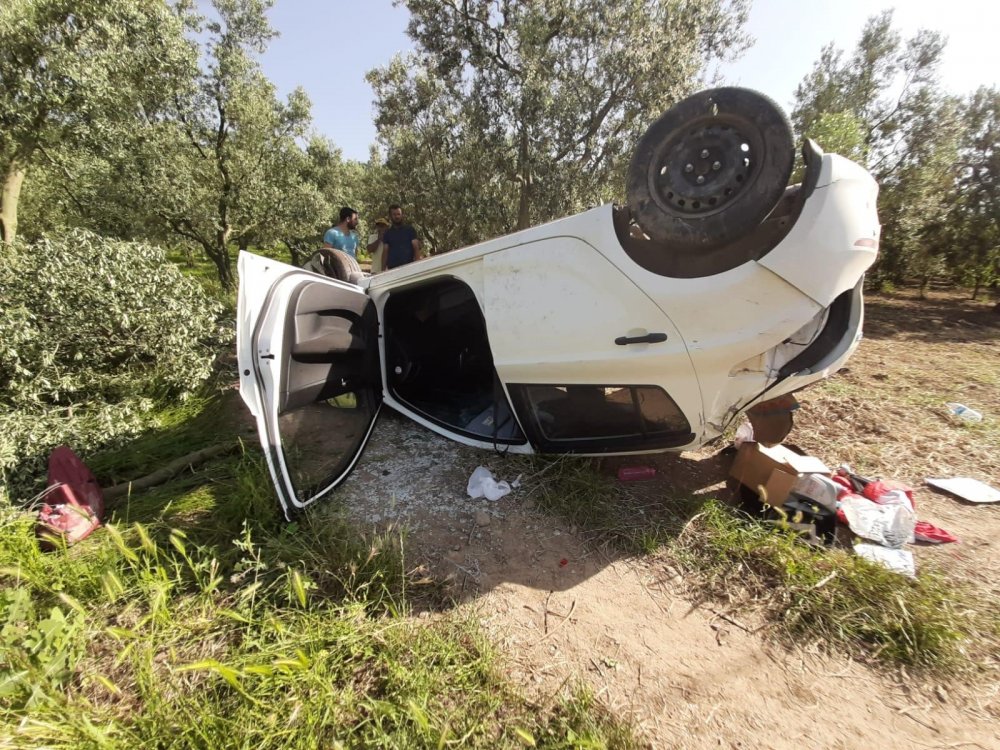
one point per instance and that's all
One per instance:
(373, 246)
(415, 242)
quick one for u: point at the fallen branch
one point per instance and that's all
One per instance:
(733, 621)
(162, 475)
(558, 624)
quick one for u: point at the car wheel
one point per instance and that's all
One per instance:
(345, 267)
(708, 171)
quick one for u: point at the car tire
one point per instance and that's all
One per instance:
(707, 172)
(345, 267)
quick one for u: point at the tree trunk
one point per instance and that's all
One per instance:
(293, 252)
(9, 196)
(219, 255)
(976, 288)
(224, 268)
(924, 281)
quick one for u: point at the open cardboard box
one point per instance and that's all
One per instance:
(772, 471)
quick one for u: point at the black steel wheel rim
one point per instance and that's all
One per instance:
(702, 167)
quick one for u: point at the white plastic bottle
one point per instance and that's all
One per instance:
(964, 412)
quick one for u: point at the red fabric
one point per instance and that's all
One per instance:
(925, 532)
(874, 490)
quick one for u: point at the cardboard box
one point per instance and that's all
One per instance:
(771, 472)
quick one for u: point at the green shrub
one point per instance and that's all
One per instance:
(94, 332)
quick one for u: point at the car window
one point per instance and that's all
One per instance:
(601, 417)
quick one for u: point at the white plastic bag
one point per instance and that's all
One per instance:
(744, 434)
(483, 484)
(897, 560)
(889, 525)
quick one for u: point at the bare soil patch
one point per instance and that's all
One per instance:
(689, 673)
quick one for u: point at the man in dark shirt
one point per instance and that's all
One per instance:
(401, 243)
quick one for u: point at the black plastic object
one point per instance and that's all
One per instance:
(649, 338)
(796, 509)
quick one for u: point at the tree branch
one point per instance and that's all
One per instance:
(496, 54)
(188, 129)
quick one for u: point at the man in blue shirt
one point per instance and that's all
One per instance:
(342, 235)
(402, 245)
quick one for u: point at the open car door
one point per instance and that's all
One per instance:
(309, 372)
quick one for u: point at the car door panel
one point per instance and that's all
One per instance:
(558, 312)
(309, 371)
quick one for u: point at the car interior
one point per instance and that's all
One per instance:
(329, 384)
(439, 363)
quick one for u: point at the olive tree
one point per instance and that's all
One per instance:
(224, 168)
(882, 103)
(90, 339)
(975, 252)
(511, 113)
(71, 69)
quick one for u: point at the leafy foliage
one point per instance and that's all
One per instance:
(43, 647)
(223, 167)
(931, 152)
(974, 250)
(95, 330)
(72, 71)
(220, 628)
(506, 115)
(512, 113)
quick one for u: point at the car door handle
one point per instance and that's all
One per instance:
(649, 338)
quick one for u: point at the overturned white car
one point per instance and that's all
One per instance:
(632, 329)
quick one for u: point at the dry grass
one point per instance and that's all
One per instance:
(885, 413)
(886, 416)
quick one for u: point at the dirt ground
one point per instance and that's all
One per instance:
(695, 675)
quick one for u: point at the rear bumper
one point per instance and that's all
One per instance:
(835, 239)
(831, 348)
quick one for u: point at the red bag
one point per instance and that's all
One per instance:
(74, 501)
(874, 490)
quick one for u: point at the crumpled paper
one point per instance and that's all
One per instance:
(482, 483)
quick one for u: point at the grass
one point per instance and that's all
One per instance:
(805, 593)
(197, 619)
(831, 596)
(885, 415)
(606, 512)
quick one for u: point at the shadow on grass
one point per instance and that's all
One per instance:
(946, 319)
(216, 503)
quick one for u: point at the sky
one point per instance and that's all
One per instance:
(327, 46)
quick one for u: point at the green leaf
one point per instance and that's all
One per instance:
(525, 737)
